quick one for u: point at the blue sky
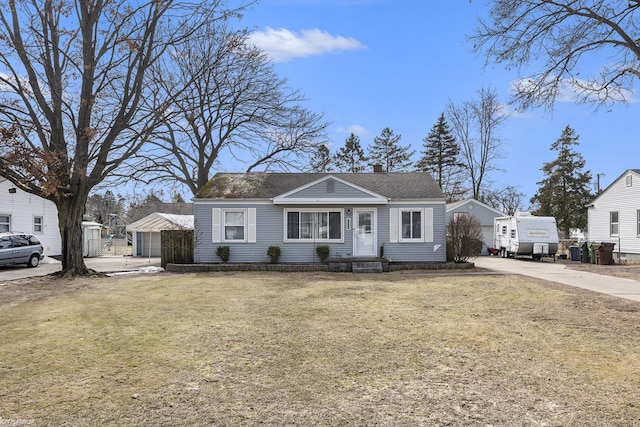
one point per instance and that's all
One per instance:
(371, 64)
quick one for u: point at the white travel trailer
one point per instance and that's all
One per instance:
(525, 234)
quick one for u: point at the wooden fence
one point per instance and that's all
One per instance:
(177, 247)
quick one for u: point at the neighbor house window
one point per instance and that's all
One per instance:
(410, 225)
(5, 223)
(629, 180)
(313, 225)
(37, 224)
(638, 222)
(234, 225)
(614, 223)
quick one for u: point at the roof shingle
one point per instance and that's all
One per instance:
(263, 185)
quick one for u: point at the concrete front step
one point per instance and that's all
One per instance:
(366, 267)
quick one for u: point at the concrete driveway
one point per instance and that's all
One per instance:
(105, 264)
(556, 272)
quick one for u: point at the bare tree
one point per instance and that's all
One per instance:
(74, 75)
(508, 199)
(464, 237)
(232, 106)
(563, 39)
(476, 124)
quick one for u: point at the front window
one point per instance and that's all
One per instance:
(234, 225)
(411, 225)
(314, 225)
(37, 224)
(5, 223)
(614, 223)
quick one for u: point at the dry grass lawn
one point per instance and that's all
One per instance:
(230, 349)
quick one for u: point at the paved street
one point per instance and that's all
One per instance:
(557, 272)
(106, 264)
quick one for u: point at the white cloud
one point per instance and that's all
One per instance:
(283, 45)
(575, 91)
(357, 130)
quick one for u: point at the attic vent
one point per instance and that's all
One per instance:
(629, 180)
(331, 186)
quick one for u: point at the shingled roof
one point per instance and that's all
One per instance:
(262, 185)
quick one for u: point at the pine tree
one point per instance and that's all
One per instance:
(386, 152)
(440, 158)
(565, 191)
(351, 157)
(322, 160)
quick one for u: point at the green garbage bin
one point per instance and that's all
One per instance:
(592, 253)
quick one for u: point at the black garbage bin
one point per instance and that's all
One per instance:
(605, 253)
(584, 253)
(574, 253)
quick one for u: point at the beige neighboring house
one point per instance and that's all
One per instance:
(614, 216)
(27, 213)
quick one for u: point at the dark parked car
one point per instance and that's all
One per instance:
(20, 248)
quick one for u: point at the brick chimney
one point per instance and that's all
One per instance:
(377, 168)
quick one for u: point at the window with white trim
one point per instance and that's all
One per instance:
(5, 223)
(235, 225)
(614, 223)
(411, 225)
(638, 222)
(38, 224)
(313, 225)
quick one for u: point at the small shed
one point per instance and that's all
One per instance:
(91, 238)
(146, 232)
(483, 213)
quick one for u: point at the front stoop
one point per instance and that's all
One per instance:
(366, 267)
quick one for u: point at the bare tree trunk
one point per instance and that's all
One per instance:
(70, 213)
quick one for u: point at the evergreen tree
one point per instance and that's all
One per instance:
(322, 160)
(386, 152)
(440, 158)
(351, 157)
(565, 191)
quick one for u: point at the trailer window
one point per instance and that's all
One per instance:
(513, 234)
(504, 230)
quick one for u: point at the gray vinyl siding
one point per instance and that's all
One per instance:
(323, 190)
(270, 230)
(482, 214)
(414, 251)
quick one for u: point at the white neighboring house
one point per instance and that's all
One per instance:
(483, 213)
(614, 216)
(146, 231)
(27, 213)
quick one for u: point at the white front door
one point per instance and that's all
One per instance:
(364, 239)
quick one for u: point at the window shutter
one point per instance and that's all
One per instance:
(428, 225)
(252, 225)
(216, 216)
(393, 225)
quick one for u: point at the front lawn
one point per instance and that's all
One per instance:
(317, 349)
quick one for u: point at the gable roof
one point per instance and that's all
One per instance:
(160, 221)
(453, 205)
(624, 174)
(263, 185)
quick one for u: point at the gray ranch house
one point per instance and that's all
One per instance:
(400, 216)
